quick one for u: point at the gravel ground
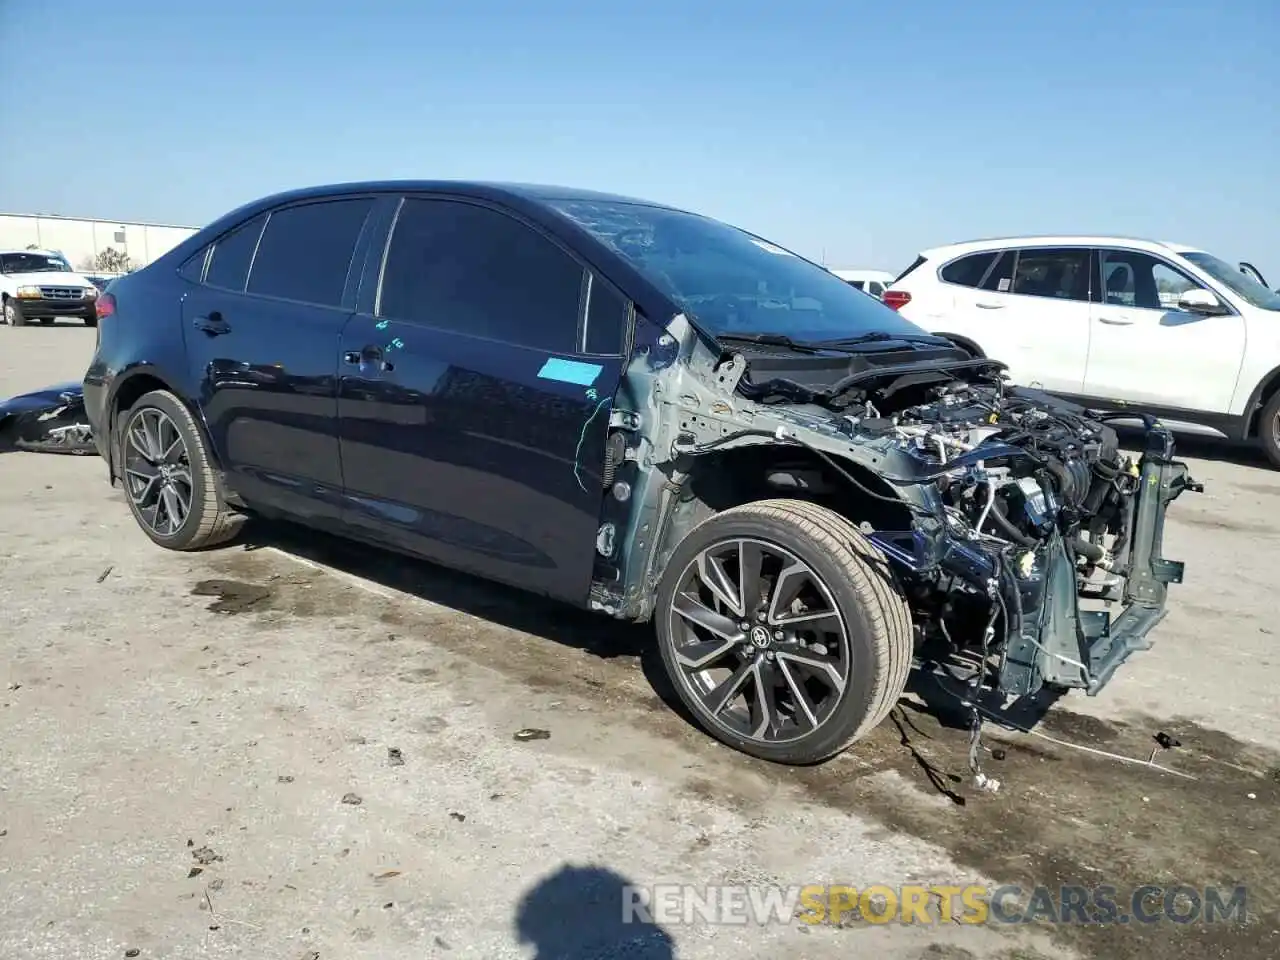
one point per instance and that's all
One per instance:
(294, 748)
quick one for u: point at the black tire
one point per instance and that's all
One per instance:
(209, 521)
(857, 576)
(1269, 429)
(91, 320)
(13, 313)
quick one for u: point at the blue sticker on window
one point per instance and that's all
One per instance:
(570, 371)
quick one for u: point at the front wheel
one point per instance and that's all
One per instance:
(783, 630)
(13, 314)
(172, 489)
(1269, 429)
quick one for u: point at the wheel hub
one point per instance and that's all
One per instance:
(761, 638)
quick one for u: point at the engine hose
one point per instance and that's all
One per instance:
(997, 514)
(1066, 482)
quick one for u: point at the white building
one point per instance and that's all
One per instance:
(82, 242)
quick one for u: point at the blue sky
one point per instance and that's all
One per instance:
(857, 133)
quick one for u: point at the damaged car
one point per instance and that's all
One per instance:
(643, 412)
(51, 420)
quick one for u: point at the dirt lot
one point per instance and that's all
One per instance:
(178, 734)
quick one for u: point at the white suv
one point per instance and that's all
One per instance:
(1115, 323)
(40, 285)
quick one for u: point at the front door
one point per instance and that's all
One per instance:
(475, 395)
(261, 346)
(1144, 350)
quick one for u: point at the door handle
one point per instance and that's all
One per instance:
(213, 324)
(1115, 322)
(990, 306)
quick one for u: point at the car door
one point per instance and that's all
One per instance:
(1144, 349)
(262, 328)
(1030, 310)
(475, 395)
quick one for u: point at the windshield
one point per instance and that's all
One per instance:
(32, 263)
(730, 281)
(1241, 284)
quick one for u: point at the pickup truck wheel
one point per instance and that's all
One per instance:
(783, 630)
(173, 492)
(1269, 429)
(13, 313)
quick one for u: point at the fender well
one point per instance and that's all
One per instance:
(1263, 392)
(129, 387)
(728, 478)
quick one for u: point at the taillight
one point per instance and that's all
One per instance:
(105, 306)
(897, 299)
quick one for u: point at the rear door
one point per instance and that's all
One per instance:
(1030, 310)
(262, 330)
(1145, 350)
(475, 395)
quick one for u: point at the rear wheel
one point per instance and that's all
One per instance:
(783, 630)
(173, 492)
(1269, 429)
(91, 320)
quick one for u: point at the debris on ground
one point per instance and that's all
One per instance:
(284, 778)
(532, 733)
(205, 856)
(394, 757)
(132, 952)
(194, 872)
(460, 817)
(352, 799)
(105, 573)
(383, 877)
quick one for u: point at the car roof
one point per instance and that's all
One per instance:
(1049, 240)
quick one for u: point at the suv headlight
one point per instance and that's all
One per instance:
(90, 292)
(29, 293)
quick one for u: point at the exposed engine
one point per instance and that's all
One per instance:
(1024, 467)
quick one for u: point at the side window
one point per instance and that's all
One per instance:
(968, 271)
(193, 269)
(856, 284)
(305, 253)
(1133, 279)
(1000, 274)
(1061, 274)
(473, 270)
(229, 265)
(607, 319)
(875, 288)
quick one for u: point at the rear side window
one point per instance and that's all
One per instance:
(1000, 276)
(305, 253)
(229, 265)
(968, 271)
(193, 269)
(856, 284)
(473, 270)
(1062, 274)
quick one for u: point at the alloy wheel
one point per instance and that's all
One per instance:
(759, 641)
(157, 470)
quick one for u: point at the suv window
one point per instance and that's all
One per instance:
(305, 253)
(1134, 279)
(1062, 274)
(471, 269)
(1000, 274)
(229, 265)
(968, 271)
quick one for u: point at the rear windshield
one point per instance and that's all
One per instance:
(1241, 284)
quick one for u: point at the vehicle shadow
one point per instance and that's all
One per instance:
(582, 912)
